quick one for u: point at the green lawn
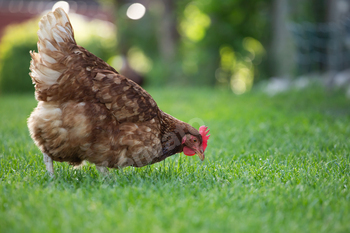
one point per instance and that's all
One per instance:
(273, 164)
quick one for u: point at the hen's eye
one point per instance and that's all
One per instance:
(194, 140)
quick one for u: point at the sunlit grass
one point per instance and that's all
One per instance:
(273, 164)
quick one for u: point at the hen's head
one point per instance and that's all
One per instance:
(196, 144)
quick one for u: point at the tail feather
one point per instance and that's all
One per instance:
(55, 37)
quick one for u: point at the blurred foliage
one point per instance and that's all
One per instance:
(224, 43)
(217, 42)
(15, 45)
(230, 48)
(99, 37)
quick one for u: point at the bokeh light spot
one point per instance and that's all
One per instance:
(62, 4)
(136, 11)
(195, 23)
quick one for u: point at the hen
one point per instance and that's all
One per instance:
(87, 111)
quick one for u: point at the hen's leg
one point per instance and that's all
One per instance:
(49, 164)
(80, 166)
(102, 169)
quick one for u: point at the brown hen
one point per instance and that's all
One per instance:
(87, 111)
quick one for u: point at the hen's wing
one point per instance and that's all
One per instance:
(64, 71)
(124, 98)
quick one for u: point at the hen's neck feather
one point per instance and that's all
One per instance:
(172, 131)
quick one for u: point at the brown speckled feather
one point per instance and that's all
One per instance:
(87, 111)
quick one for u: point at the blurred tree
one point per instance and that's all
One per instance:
(281, 46)
(154, 37)
(188, 41)
(225, 42)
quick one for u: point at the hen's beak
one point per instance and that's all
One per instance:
(200, 154)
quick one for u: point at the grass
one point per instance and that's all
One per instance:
(273, 164)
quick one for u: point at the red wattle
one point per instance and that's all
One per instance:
(188, 151)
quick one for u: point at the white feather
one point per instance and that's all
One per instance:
(47, 75)
(34, 74)
(57, 37)
(47, 58)
(69, 33)
(63, 16)
(45, 27)
(50, 46)
(52, 20)
(62, 29)
(43, 34)
(49, 72)
(39, 46)
(54, 29)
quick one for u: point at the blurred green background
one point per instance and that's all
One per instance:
(231, 44)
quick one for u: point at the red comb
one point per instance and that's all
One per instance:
(203, 131)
